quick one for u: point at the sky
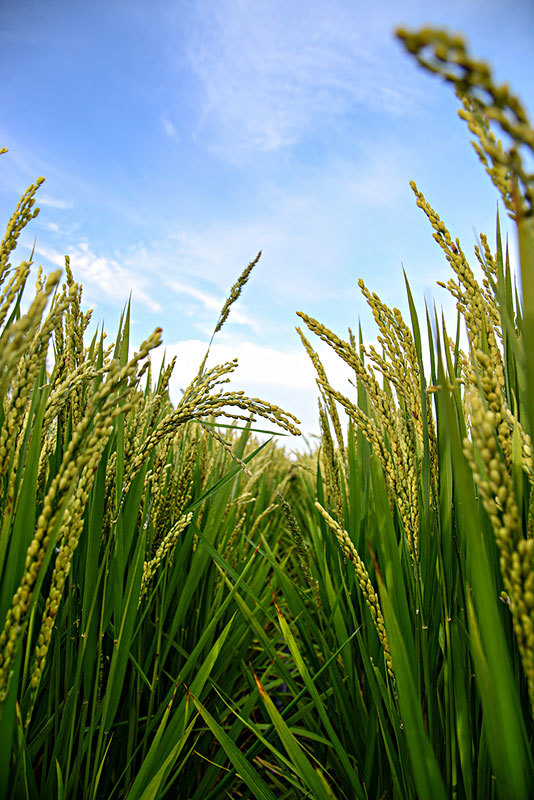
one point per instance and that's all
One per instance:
(180, 137)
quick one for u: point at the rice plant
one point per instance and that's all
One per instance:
(186, 612)
(116, 506)
(408, 615)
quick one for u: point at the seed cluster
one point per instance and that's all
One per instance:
(164, 549)
(396, 416)
(301, 547)
(484, 101)
(395, 432)
(364, 581)
(489, 455)
(90, 416)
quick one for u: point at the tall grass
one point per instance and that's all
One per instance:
(118, 510)
(409, 613)
(187, 613)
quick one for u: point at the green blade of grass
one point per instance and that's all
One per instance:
(509, 783)
(509, 753)
(526, 257)
(319, 705)
(167, 736)
(301, 764)
(245, 770)
(424, 766)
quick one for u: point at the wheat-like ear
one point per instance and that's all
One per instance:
(235, 292)
(24, 212)
(484, 101)
(364, 582)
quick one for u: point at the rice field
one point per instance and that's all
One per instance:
(187, 612)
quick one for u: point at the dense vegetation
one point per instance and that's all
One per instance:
(185, 612)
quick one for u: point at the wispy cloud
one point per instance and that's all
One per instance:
(52, 227)
(213, 304)
(218, 250)
(53, 202)
(272, 71)
(170, 129)
(103, 278)
(305, 231)
(208, 301)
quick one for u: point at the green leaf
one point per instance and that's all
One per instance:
(425, 770)
(245, 770)
(301, 765)
(319, 704)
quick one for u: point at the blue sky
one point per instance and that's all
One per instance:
(178, 139)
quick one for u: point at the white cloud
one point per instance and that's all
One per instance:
(101, 277)
(53, 202)
(50, 226)
(306, 232)
(211, 303)
(219, 251)
(283, 377)
(170, 129)
(271, 71)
